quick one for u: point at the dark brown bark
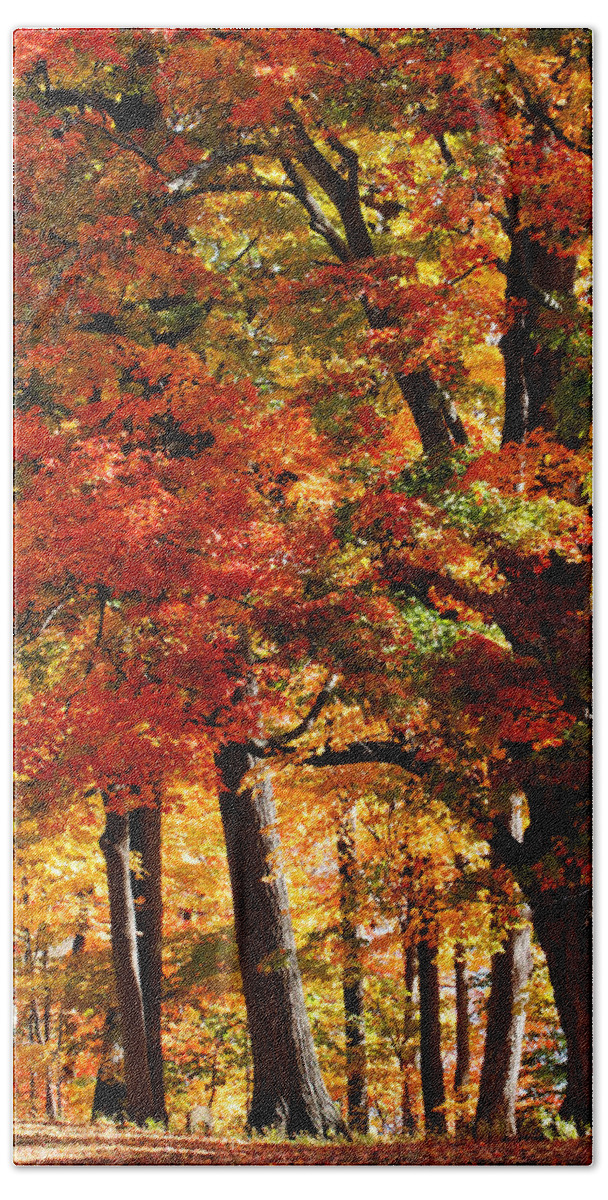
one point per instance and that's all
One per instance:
(35, 1035)
(510, 972)
(114, 843)
(431, 1065)
(145, 838)
(110, 1092)
(561, 917)
(288, 1090)
(562, 923)
(434, 422)
(462, 1074)
(50, 1091)
(408, 1051)
(532, 369)
(352, 973)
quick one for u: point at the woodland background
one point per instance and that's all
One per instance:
(303, 372)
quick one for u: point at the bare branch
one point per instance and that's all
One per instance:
(241, 254)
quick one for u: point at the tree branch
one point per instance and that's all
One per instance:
(369, 752)
(50, 616)
(343, 193)
(224, 157)
(283, 739)
(538, 115)
(361, 42)
(125, 143)
(319, 223)
(446, 153)
(350, 158)
(103, 596)
(311, 157)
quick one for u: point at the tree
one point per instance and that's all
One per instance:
(136, 932)
(540, 740)
(510, 972)
(353, 976)
(431, 1066)
(115, 845)
(462, 1076)
(145, 841)
(110, 1096)
(287, 1087)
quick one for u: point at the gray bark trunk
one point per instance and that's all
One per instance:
(288, 1090)
(114, 843)
(510, 972)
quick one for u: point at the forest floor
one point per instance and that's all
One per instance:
(38, 1144)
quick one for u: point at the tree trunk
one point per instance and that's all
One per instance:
(431, 1066)
(50, 1094)
(288, 1091)
(462, 1074)
(495, 1116)
(145, 837)
(114, 843)
(408, 1054)
(561, 916)
(110, 1092)
(435, 417)
(352, 977)
(35, 1036)
(532, 369)
(562, 923)
(60, 1069)
(437, 423)
(510, 972)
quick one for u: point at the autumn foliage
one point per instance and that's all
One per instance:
(302, 450)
